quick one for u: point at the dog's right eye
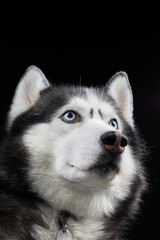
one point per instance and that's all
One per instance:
(70, 117)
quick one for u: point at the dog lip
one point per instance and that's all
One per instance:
(73, 166)
(95, 166)
(80, 169)
(100, 167)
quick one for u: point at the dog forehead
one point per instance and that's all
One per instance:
(92, 100)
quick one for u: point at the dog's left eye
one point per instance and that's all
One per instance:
(70, 117)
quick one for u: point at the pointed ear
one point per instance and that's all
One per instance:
(119, 89)
(27, 92)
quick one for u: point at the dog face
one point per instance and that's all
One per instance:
(75, 138)
(79, 152)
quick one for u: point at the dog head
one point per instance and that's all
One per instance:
(77, 139)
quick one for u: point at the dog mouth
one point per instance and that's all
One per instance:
(100, 169)
(106, 164)
(104, 169)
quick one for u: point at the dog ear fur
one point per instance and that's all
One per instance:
(120, 91)
(27, 92)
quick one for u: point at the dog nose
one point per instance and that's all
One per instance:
(114, 141)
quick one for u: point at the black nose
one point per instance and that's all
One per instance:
(114, 141)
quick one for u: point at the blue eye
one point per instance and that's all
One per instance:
(70, 117)
(113, 123)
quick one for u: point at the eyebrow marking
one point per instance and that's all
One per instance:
(100, 113)
(91, 113)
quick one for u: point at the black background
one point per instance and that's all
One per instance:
(90, 44)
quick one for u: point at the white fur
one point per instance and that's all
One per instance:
(61, 154)
(120, 91)
(88, 229)
(27, 92)
(50, 218)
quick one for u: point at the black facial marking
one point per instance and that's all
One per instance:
(99, 111)
(91, 113)
(43, 110)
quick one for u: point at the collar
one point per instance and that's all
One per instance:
(64, 232)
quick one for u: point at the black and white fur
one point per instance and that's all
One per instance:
(48, 165)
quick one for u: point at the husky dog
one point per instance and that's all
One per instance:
(71, 162)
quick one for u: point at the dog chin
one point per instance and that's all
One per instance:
(91, 178)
